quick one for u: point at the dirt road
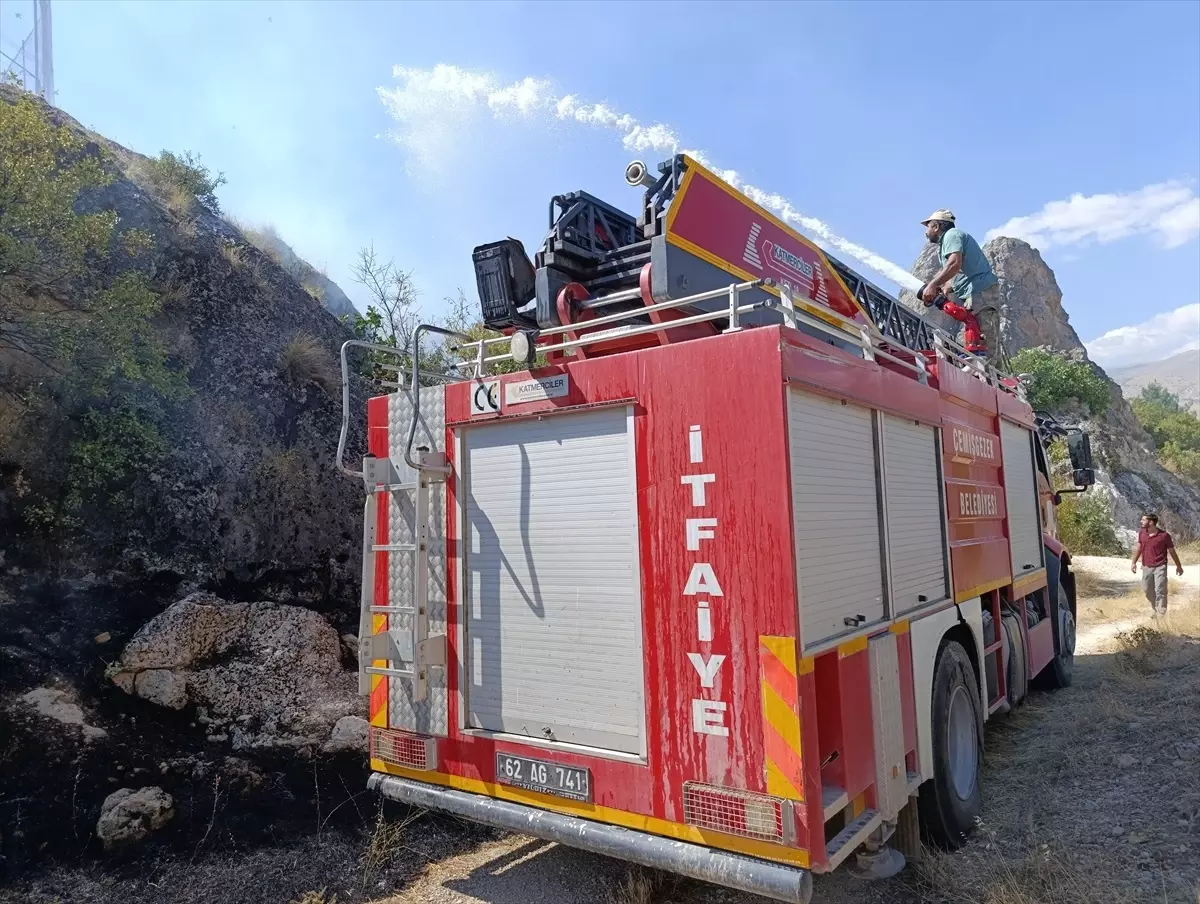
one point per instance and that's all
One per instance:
(1091, 794)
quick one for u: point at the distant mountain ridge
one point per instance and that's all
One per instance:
(1179, 374)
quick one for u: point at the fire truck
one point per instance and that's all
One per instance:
(714, 558)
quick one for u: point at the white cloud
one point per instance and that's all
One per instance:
(433, 107)
(1159, 337)
(1169, 211)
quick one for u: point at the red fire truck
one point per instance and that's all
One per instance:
(727, 575)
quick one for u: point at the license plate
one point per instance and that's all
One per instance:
(538, 775)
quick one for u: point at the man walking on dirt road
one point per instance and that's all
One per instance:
(966, 280)
(1152, 547)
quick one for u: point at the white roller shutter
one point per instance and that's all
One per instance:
(553, 620)
(835, 514)
(1020, 498)
(913, 495)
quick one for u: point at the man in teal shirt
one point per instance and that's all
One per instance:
(966, 280)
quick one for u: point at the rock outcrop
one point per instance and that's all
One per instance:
(129, 815)
(260, 675)
(1032, 316)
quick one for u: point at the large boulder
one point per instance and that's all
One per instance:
(261, 675)
(129, 815)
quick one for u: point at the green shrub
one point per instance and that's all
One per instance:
(109, 450)
(1184, 463)
(185, 177)
(1175, 430)
(1085, 525)
(106, 336)
(1055, 380)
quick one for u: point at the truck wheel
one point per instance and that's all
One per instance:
(1061, 669)
(951, 799)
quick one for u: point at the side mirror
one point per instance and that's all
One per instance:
(1083, 477)
(1079, 448)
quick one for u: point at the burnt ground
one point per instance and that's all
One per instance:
(246, 828)
(1091, 795)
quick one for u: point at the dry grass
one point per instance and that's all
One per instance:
(149, 177)
(1044, 875)
(315, 292)
(303, 361)
(315, 897)
(644, 887)
(1189, 553)
(235, 256)
(1092, 795)
(1103, 602)
(1142, 650)
(178, 199)
(386, 841)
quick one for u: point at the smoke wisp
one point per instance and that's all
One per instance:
(430, 106)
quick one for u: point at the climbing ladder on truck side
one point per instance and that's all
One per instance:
(402, 631)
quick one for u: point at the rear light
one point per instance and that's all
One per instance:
(399, 749)
(741, 813)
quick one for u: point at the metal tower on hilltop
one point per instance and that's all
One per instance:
(27, 58)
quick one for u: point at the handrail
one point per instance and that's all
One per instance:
(731, 291)
(867, 337)
(348, 344)
(415, 358)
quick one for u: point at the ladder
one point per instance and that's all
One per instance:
(407, 649)
(898, 323)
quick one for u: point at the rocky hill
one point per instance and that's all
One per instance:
(233, 407)
(169, 413)
(1033, 316)
(1179, 374)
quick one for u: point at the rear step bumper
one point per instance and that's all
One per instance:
(760, 877)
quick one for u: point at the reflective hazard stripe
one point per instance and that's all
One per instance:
(781, 717)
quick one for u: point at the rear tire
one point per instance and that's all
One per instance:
(951, 800)
(1060, 671)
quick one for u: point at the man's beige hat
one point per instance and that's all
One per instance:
(946, 216)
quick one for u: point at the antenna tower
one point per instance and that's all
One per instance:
(29, 62)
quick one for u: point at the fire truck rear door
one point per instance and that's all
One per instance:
(552, 589)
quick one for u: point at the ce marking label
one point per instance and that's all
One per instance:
(485, 397)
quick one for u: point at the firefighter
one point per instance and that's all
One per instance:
(971, 290)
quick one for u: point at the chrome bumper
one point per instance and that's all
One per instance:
(761, 877)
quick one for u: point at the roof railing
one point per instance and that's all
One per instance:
(872, 344)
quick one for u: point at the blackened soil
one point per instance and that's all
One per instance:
(254, 829)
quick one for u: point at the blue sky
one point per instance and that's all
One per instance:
(865, 116)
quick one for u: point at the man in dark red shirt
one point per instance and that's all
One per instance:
(1152, 547)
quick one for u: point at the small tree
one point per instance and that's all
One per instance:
(1055, 379)
(392, 310)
